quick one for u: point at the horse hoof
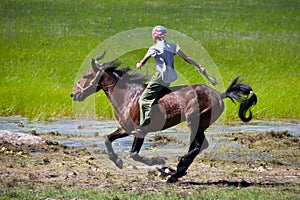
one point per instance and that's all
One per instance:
(172, 180)
(166, 171)
(119, 163)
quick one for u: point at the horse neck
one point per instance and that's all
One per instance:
(123, 97)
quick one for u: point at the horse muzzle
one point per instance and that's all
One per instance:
(77, 96)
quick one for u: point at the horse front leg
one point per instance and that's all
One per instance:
(136, 147)
(119, 133)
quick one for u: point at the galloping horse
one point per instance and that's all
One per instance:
(198, 104)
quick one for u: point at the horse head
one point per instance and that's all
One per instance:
(94, 79)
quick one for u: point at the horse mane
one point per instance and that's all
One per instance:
(126, 74)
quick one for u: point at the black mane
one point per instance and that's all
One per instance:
(127, 74)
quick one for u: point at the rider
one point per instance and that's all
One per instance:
(164, 53)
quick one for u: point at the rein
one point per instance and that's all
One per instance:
(92, 83)
(82, 89)
(111, 85)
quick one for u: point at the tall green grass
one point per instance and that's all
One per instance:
(43, 44)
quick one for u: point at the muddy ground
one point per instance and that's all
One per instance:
(265, 160)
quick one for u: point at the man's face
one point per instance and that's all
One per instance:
(153, 38)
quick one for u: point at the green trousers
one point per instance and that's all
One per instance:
(149, 96)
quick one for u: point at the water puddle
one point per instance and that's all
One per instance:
(90, 133)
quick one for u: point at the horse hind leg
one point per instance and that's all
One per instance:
(198, 144)
(137, 144)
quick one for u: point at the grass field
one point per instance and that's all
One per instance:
(43, 44)
(209, 194)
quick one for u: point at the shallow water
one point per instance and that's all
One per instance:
(89, 133)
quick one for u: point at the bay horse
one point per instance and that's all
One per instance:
(197, 104)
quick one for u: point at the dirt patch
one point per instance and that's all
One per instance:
(19, 138)
(81, 168)
(49, 133)
(264, 141)
(162, 139)
(23, 143)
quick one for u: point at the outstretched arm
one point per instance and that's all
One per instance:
(201, 69)
(142, 62)
(191, 61)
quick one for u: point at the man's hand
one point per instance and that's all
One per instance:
(138, 65)
(212, 80)
(202, 70)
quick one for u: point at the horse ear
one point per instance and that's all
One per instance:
(94, 65)
(102, 56)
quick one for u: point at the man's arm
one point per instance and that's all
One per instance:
(201, 69)
(191, 61)
(142, 62)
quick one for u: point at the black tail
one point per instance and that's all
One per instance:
(240, 92)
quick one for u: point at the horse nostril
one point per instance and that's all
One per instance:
(71, 95)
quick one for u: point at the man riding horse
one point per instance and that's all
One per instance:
(198, 104)
(163, 53)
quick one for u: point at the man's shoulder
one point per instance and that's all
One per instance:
(171, 44)
(156, 46)
(171, 47)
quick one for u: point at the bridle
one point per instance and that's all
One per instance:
(92, 83)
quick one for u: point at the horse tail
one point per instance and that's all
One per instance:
(243, 94)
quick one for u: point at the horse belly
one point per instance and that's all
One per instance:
(167, 113)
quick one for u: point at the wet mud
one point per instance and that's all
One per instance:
(264, 160)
